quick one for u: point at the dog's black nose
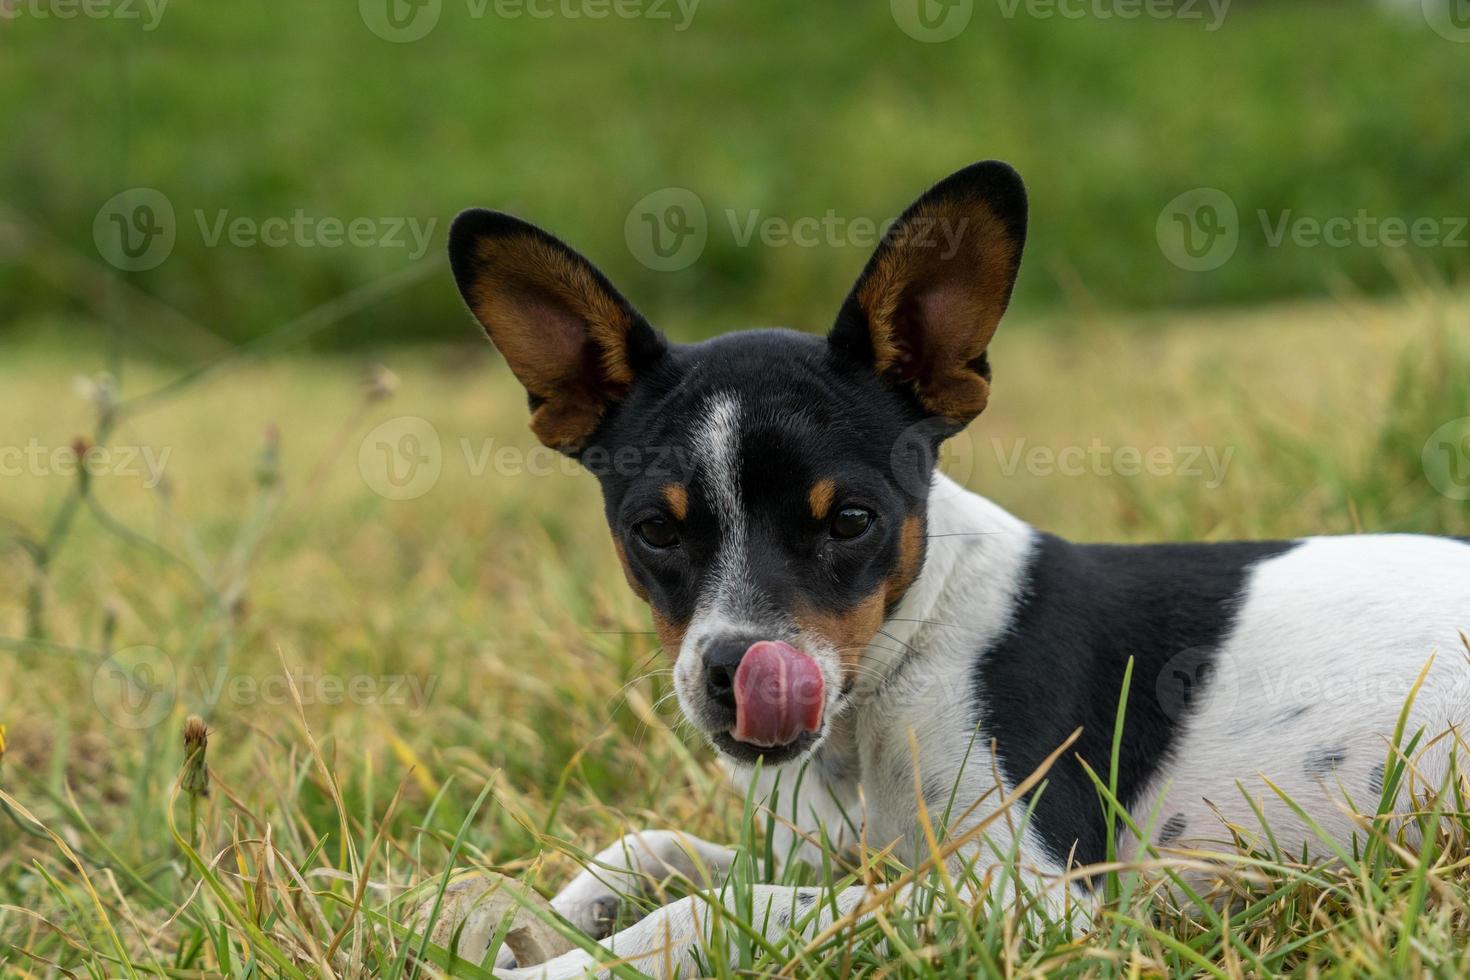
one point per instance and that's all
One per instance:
(721, 660)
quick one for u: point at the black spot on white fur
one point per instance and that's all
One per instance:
(1375, 781)
(1290, 714)
(1173, 829)
(1324, 762)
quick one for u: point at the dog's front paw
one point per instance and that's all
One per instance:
(590, 905)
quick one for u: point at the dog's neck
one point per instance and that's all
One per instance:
(975, 552)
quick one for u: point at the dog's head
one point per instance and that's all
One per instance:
(766, 490)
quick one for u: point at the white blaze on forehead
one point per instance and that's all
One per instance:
(717, 453)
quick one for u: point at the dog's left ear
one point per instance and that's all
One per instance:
(567, 334)
(926, 306)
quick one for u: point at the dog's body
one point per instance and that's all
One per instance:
(833, 603)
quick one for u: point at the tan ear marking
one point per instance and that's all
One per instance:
(950, 267)
(563, 335)
(819, 498)
(678, 500)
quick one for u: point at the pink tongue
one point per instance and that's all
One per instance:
(778, 695)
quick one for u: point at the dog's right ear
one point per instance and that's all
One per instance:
(568, 336)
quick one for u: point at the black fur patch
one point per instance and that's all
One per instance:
(1084, 610)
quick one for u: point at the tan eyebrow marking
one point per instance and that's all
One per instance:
(820, 498)
(678, 500)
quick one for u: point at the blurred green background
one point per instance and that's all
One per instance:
(762, 108)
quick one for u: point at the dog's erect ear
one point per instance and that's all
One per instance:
(573, 342)
(926, 306)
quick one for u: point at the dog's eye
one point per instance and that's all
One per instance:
(657, 533)
(851, 522)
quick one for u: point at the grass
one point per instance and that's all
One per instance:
(394, 688)
(762, 106)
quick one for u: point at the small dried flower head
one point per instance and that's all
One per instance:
(109, 625)
(380, 384)
(195, 776)
(100, 390)
(2, 744)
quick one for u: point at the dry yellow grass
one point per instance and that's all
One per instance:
(482, 630)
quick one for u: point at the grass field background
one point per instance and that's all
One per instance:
(1305, 109)
(470, 682)
(494, 643)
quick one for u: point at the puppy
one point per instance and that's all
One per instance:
(831, 601)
